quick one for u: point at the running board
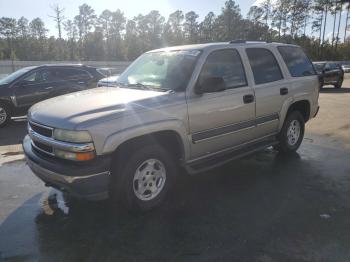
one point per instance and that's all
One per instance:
(227, 156)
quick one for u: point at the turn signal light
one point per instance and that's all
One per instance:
(75, 156)
(85, 156)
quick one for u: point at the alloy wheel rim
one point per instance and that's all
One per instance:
(293, 132)
(149, 179)
(3, 115)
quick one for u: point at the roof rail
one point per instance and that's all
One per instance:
(241, 41)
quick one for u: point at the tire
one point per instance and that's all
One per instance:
(292, 133)
(149, 168)
(339, 83)
(5, 114)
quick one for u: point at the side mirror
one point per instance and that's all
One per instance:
(210, 85)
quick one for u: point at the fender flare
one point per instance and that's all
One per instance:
(287, 104)
(114, 140)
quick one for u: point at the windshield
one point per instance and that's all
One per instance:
(319, 66)
(8, 79)
(161, 70)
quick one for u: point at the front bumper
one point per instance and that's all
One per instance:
(318, 109)
(88, 180)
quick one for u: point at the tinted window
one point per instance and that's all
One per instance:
(41, 76)
(319, 66)
(296, 60)
(226, 64)
(72, 74)
(264, 65)
(15, 75)
(334, 66)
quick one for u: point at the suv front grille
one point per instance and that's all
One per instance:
(43, 147)
(43, 141)
(42, 130)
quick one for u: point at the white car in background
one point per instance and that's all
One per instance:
(108, 81)
(346, 68)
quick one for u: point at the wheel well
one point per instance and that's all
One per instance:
(303, 107)
(170, 140)
(8, 103)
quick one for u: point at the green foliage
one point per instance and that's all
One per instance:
(111, 36)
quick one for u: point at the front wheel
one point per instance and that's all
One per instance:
(144, 180)
(5, 114)
(292, 133)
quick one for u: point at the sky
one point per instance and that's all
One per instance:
(42, 8)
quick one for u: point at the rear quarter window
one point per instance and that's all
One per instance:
(298, 63)
(73, 74)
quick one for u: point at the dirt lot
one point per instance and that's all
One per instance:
(263, 208)
(334, 115)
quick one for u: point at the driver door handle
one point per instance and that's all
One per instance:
(248, 99)
(49, 87)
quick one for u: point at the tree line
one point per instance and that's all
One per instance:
(111, 36)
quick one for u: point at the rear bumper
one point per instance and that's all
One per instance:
(89, 180)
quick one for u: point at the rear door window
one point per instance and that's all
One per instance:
(264, 65)
(73, 74)
(298, 63)
(334, 66)
(227, 64)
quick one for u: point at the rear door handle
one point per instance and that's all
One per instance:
(248, 99)
(48, 88)
(283, 91)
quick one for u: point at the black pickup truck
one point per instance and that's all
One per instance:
(330, 73)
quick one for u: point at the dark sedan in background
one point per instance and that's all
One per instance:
(330, 73)
(29, 85)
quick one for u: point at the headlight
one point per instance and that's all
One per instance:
(72, 136)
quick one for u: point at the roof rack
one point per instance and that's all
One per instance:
(241, 41)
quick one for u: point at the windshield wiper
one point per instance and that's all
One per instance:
(144, 87)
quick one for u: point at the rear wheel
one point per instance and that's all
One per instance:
(292, 133)
(339, 83)
(144, 180)
(5, 114)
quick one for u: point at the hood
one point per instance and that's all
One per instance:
(78, 108)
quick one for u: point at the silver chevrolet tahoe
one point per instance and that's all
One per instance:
(195, 107)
